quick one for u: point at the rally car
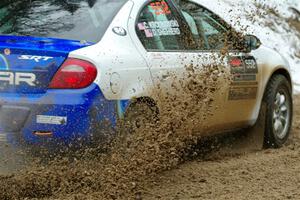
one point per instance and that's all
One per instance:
(85, 61)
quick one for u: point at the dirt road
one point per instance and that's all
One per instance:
(263, 174)
(267, 174)
(152, 164)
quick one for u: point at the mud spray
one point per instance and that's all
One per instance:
(120, 170)
(119, 173)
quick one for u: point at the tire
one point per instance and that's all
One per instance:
(140, 114)
(278, 112)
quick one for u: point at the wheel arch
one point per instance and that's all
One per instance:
(151, 103)
(143, 99)
(284, 72)
(146, 99)
(279, 70)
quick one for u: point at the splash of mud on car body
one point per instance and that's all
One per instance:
(69, 88)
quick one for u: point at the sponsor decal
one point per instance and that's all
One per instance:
(17, 78)
(35, 58)
(242, 93)
(243, 65)
(244, 77)
(236, 62)
(54, 120)
(244, 83)
(250, 66)
(160, 8)
(160, 28)
(237, 65)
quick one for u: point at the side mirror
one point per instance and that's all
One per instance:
(251, 43)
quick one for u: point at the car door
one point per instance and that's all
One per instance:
(170, 51)
(239, 102)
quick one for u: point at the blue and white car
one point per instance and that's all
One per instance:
(68, 68)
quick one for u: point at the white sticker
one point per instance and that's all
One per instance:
(163, 24)
(167, 31)
(56, 120)
(160, 28)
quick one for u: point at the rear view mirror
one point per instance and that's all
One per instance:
(251, 43)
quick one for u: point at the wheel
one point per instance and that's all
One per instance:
(140, 114)
(278, 112)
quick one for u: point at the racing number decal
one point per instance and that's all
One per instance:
(160, 8)
(244, 85)
(243, 65)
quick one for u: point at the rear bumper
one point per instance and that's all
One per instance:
(68, 115)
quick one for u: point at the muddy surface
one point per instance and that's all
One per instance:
(222, 168)
(119, 170)
(267, 174)
(176, 166)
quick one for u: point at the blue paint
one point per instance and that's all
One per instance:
(44, 69)
(76, 105)
(56, 46)
(3, 63)
(84, 108)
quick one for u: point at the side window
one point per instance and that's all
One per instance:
(158, 28)
(207, 29)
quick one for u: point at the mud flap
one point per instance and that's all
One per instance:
(253, 138)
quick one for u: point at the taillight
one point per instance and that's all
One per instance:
(74, 74)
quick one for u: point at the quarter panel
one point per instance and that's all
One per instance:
(122, 71)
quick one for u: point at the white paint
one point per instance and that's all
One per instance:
(55, 120)
(139, 71)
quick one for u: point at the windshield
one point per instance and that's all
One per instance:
(83, 20)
